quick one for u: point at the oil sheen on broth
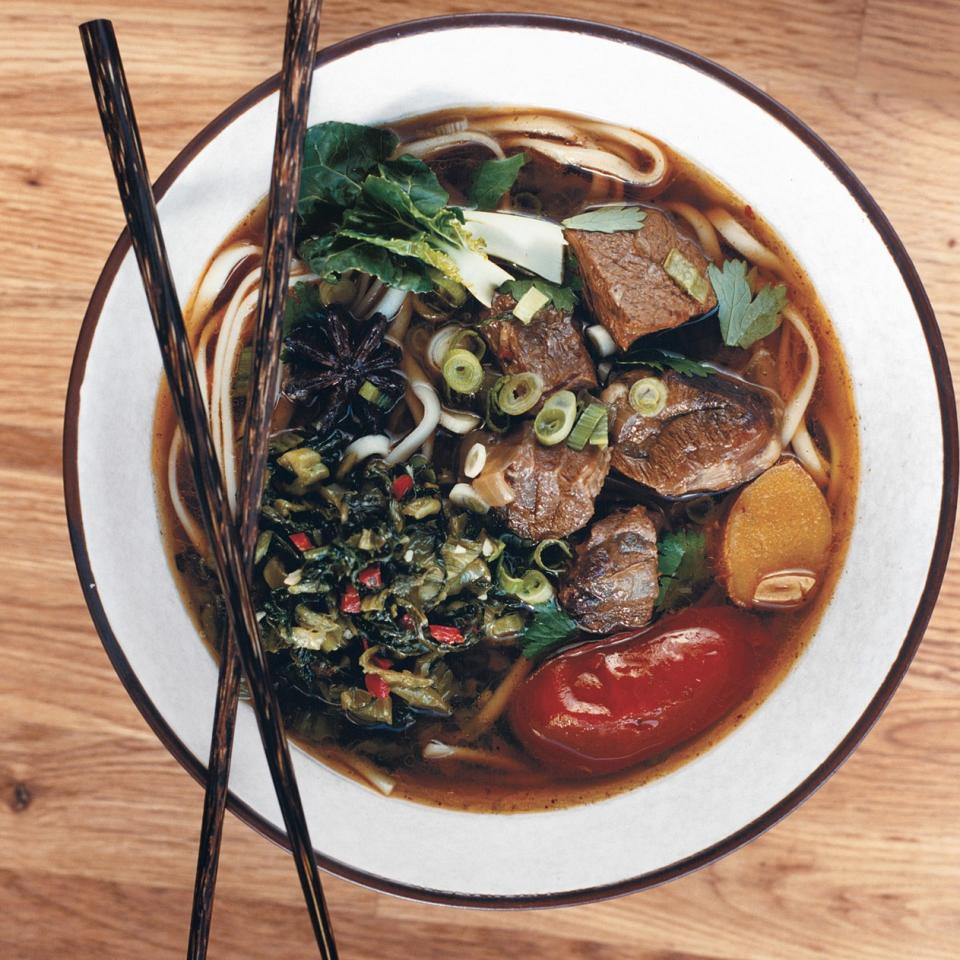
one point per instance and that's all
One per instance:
(739, 549)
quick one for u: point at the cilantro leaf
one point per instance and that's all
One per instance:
(745, 319)
(609, 219)
(549, 629)
(493, 179)
(563, 298)
(661, 359)
(683, 568)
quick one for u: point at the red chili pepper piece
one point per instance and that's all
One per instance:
(406, 621)
(370, 577)
(376, 686)
(446, 634)
(384, 663)
(402, 485)
(301, 541)
(350, 601)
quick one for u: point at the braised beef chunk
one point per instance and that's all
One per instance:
(549, 345)
(613, 581)
(554, 487)
(625, 283)
(712, 434)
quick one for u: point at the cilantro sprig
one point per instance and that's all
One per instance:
(657, 358)
(683, 568)
(563, 298)
(493, 179)
(610, 219)
(744, 318)
(550, 628)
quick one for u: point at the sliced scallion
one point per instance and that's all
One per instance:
(535, 588)
(474, 461)
(551, 555)
(686, 276)
(370, 392)
(519, 393)
(469, 340)
(463, 495)
(555, 419)
(648, 396)
(462, 371)
(583, 431)
(601, 435)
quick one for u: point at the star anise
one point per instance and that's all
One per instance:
(331, 354)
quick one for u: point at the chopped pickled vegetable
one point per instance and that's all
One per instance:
(686, 276)
(529, 304)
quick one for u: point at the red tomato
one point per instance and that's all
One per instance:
(610, 704)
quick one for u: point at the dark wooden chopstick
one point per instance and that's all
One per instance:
(303, 17)
(126, 154)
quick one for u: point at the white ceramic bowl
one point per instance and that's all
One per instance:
(906, 501)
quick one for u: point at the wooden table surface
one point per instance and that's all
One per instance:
(98, 824)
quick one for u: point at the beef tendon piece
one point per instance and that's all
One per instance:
(613, 583)
(709, 434)
(550, 345)
(625, 282)
(554, 488)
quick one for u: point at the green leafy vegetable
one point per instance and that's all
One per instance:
(683, 568)
(493, 179)
(336, 158)
(659, 359)
(610, 219)
(386, 217)
(563, 298)
(549, 629)
(744, 319)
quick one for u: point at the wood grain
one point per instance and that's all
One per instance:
(98, 824)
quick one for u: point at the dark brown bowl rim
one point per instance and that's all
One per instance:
(948, 503)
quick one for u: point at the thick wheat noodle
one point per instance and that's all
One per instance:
(704, 229)
(425, 393)
(533, 124)
(216, 276)
(371, 772)
(432, 145)
(594, 159)
(190, 526)
(807, 453)
(492, 710)
(743, 241)
(484, 758)
(637, 141)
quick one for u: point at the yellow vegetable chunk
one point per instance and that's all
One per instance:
(777, 539)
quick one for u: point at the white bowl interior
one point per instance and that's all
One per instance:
(820, 700)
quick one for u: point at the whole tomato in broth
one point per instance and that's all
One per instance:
(613, 703)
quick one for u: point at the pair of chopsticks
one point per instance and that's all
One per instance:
(231, 545)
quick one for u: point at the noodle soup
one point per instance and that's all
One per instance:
(564, 468)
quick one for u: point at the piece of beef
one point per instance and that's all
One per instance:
(714, 433)
(554, 487)
(613, 583)
(549, 345)
(624, 281)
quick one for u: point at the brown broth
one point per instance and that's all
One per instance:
(474, 788)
